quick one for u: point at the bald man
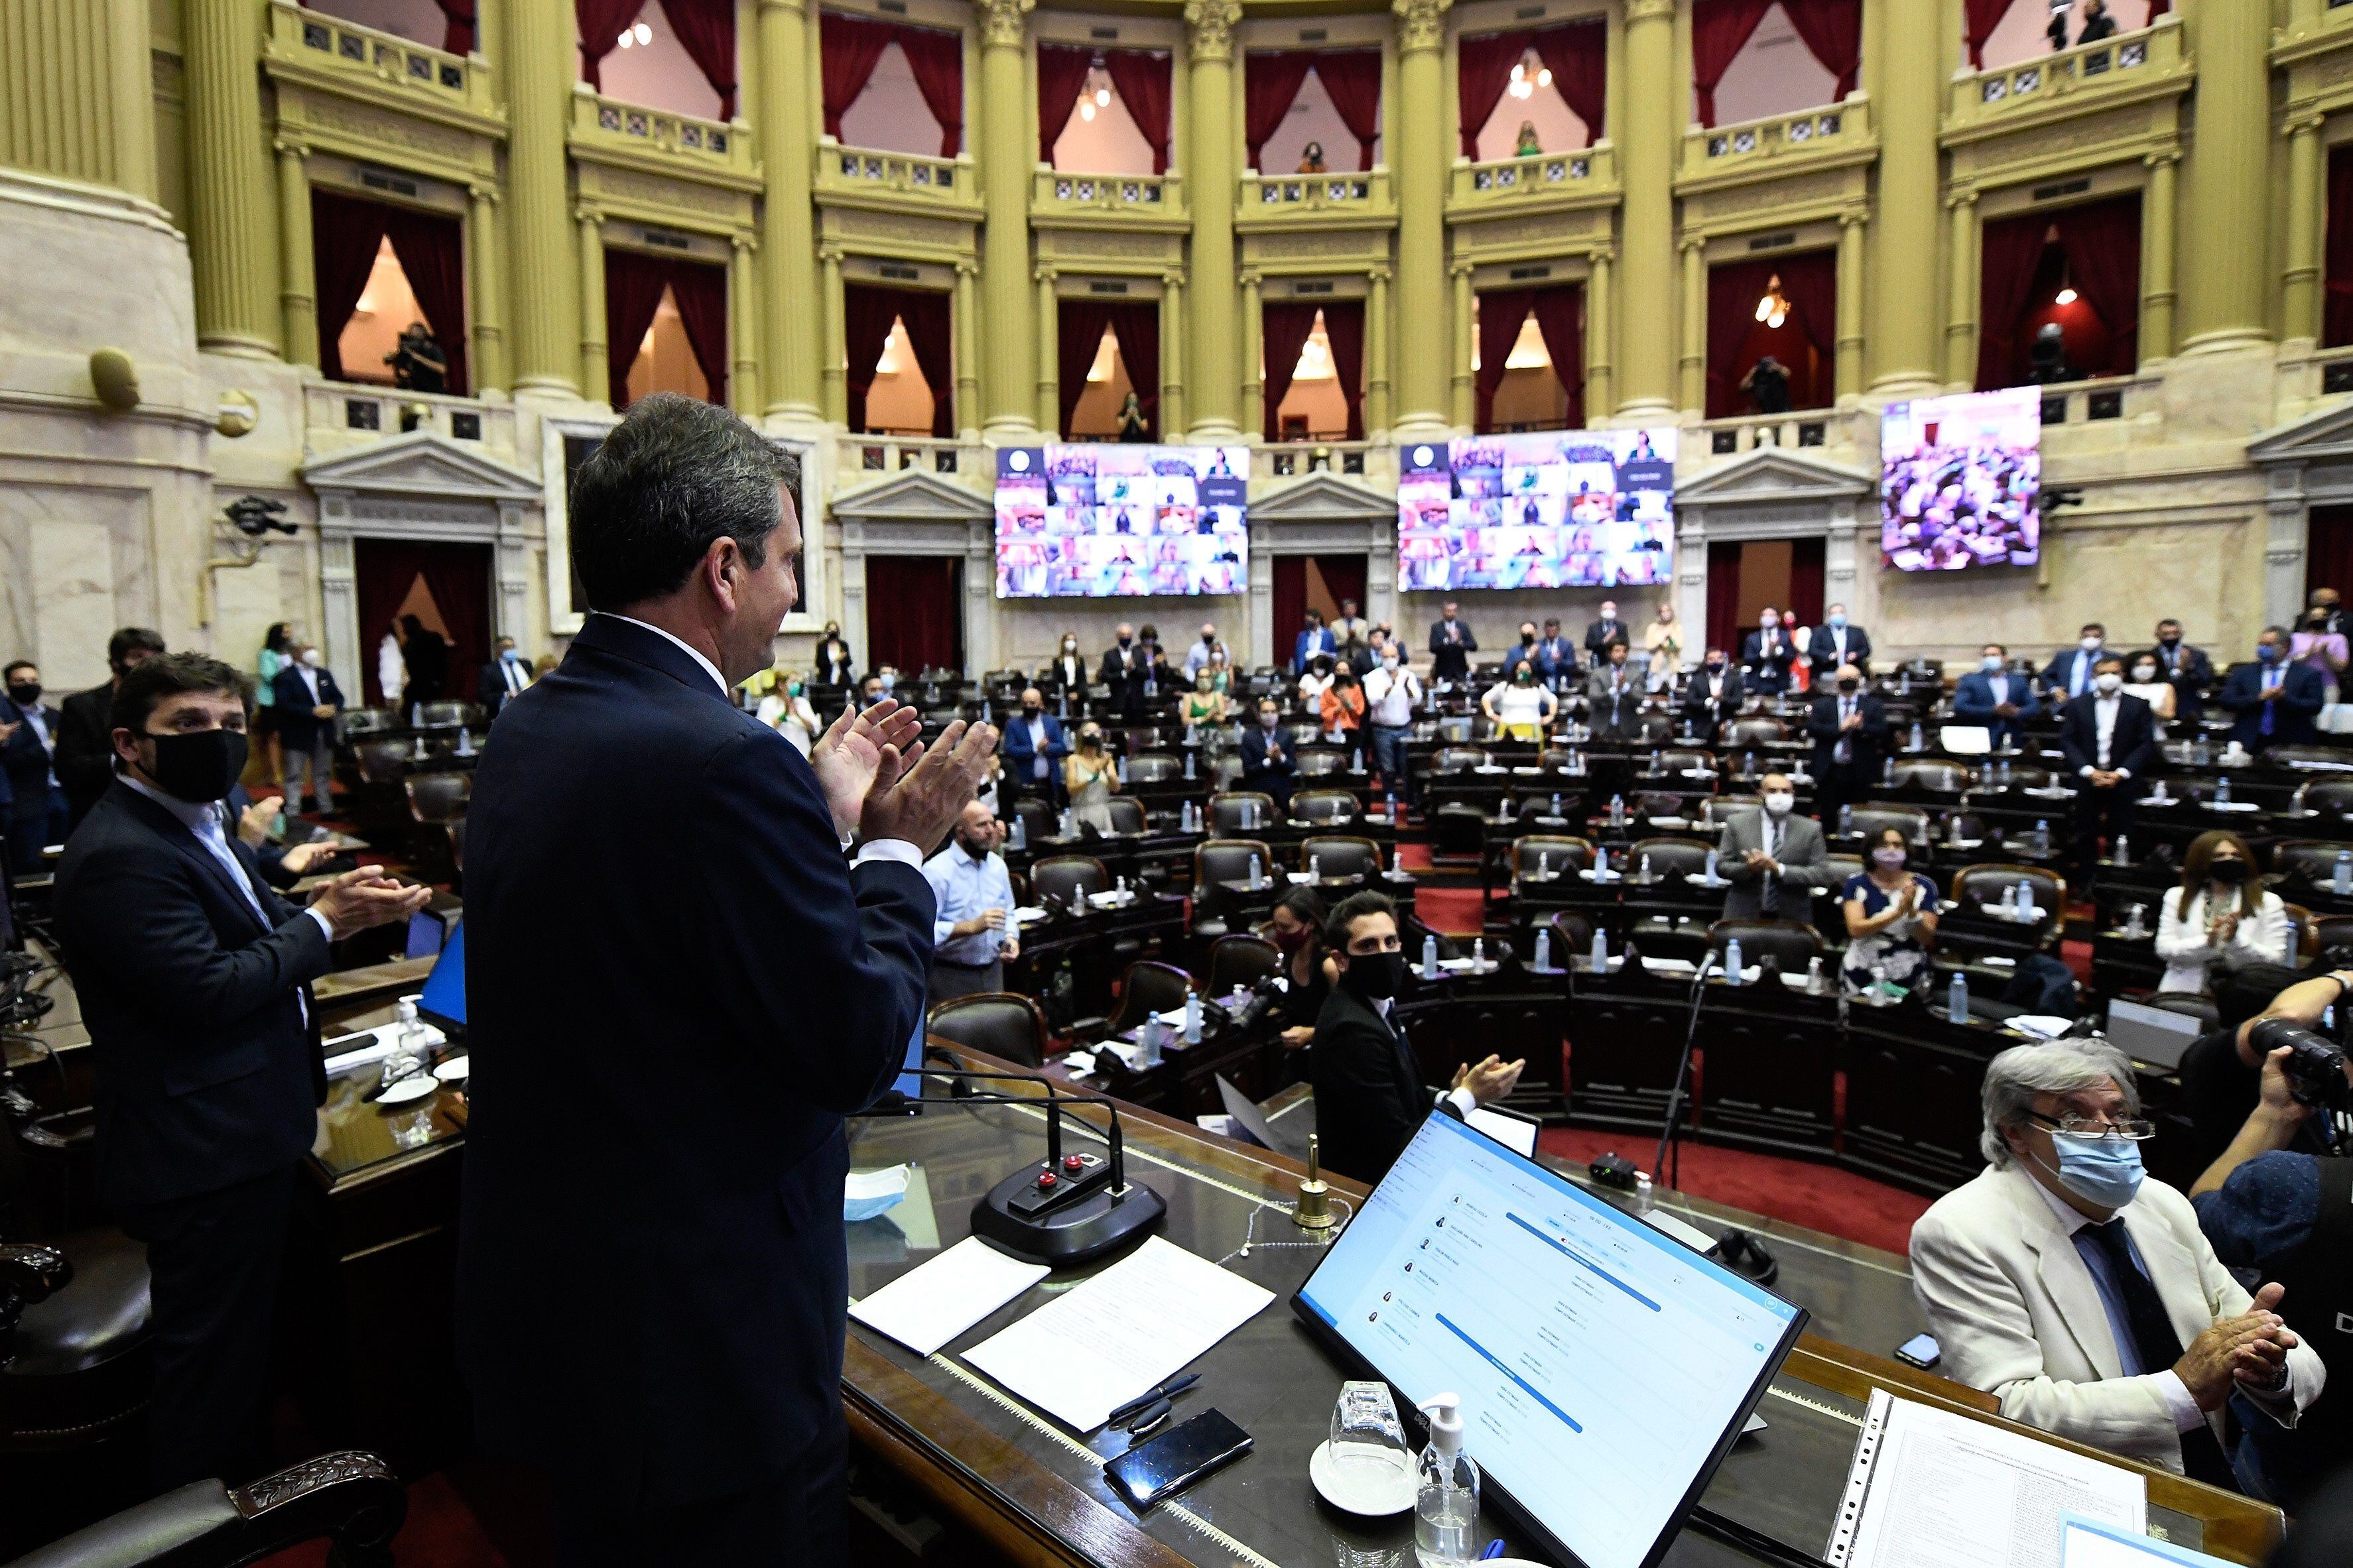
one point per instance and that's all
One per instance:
(1848, 727)
(972, 933)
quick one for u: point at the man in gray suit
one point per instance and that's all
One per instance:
(1772, 857)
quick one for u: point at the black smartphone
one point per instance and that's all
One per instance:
(1920, 1351)
(1177, 1459)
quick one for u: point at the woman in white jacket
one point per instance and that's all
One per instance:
(2220, 916)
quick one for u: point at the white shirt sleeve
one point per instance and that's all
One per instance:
(897, 849)
(2187, 1417)
(1462, 1102)
(316, 914)
(2178, 938)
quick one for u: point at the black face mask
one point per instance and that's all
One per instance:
(1847, 685)
(1029, 712)
(1376, 976)
(2174, 641)
(200, 766)
(25, 695)
(2229, 873)
(1527, 639)
(1715, 667)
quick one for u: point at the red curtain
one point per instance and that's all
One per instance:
(706, 30)
(1062, 77)
(457, 36)
(1142, 80)
(937, 60)
(1285, 325)
(1979, 18)
(1809, 282)
(1719, 29)
(1137, 324)
(2159, 7)
(1344, 328)
(432, 253)
(1483, 74)
(633, 291)
(2102, 240)
(345, 235)
(914, 621)
(926, 313)
(1723, 597)
(1733, 290)
(601, 22)
(458, 578)
(2327, 548)
(1501, 315)
(849, 46)
(1352, 78)
(1809, 558)
(867, 312)
(2336, 329)
(1271, 82)
(1080, 325)
(2011, 250)
(700, 292)
(1560, 317)
(1833, 30)
(1579, 57)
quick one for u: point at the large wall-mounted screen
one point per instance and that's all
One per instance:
(1960, 481)
(1560, 509)
(1118, 521)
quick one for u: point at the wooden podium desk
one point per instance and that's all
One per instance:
(1035, 1491)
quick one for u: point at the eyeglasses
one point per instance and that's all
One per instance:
(2129, 1129)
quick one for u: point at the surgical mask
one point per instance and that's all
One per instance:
(2089, 645)
(1291, 941)
(1780, 804)
(792, 689)
(1888, 859)
(2109, 684)
(1837, 622)
(2102, 1171)
(889, 681)
(1770, 622)
(1991, 664)
(1376, 975)
(1267, 721)
(2144, 673)
(1069, 645)
(199, 766)
(25, 693)
(1609, 612)
(1389, 661)
(2269, 652)
(309, 658)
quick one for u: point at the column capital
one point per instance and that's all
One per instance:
(481, 192)
(1251, 277)
(2302, 120)
(1003, 23)
(744, 240)
(1602, 255)
(967, 267)
(1961, 196)
(1380, 272)
(1045, 274)
(1459, 269)
(830, 254)
(1172, 279)
(2172, 155)
(1691, 242)
(1421, 24)
(1209, 28)
(1650, 11)
(789, 7)
(587, 214)
(288, 146)
(1854, 217)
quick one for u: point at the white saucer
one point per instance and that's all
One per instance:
(416, 1086)
(1369, 1501)
(455, 1069)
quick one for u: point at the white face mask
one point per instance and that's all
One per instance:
(309, 658)
(1069, 648)
(2144, 673)
(1780, 804)
(1991, 664)
(1389, 661)
(1770, 623)
(2109, 684)
(2091, 644)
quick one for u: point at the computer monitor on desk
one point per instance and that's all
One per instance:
(443, 1001)
(1474, 1271)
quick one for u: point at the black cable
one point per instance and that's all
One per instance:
(1756, 1542)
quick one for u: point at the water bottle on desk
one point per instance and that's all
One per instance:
(1600, 955)
(2026, 910)
(1710, 878)
(1123, 768)
(1617, 811)
(2222, 790)
(1846, 820)
(1919, 737)
(2340, 880)
(1315, 867)
(1544, 948)
(1357, 760)
(1478, 954)
(1879, 984)
(1646, 867)
(2121, 853)
(1258, 874)
(1658, 760)
(1602, 862)
(1556, 804)
(1430, 957)
(1957, 998)
(1732, 961)
(1020, 837)
(2042, 836)
(1188, 765)
(1814, 975)
(1192, 1018)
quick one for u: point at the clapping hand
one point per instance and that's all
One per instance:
(1489, 1081)
(856, 749)
(917, 794)
(358, 900)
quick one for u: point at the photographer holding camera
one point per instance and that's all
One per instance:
(2279, 1200)
(417, 363)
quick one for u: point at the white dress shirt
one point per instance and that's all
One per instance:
(1389, 697)
(2103, 721)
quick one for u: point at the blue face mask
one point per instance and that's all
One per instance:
(2102, 1171)
(1838, 623)
(2269, 652)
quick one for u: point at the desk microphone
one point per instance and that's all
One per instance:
(1673, 1125)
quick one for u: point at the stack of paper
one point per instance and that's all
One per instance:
(927, 1306)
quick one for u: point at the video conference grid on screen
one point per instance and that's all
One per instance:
(1559, 508)
(1960, 481)
(1106, 520)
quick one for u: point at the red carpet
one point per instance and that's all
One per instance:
(441, 1532)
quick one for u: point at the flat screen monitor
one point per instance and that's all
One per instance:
(2095, 1543)
(1474, 1271)
(425, 935)
(443, 1001)
(1960, 481)
(2158, 1035)
(1110, 520)
(1555, 509)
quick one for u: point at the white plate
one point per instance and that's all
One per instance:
(1111, 901)
(2233, 806)
(2038, 1025)
(410, 1088)
(1675, 822)
(1370, 1496)
(1030, 916)
(455, 1069)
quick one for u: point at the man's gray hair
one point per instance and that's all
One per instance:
(2062, 1066)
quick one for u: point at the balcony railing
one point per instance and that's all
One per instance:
(2084, 77)
(907, 181)
(1072, 196)
(1539, 180)
(1835, 433)
(860, 460)
(2303, 381)
(2113, 401)
(337, 415)
(374, 62)
(1830, 132)
(1345, 198)
(676, 143)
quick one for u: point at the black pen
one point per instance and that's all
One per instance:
(1168, 1390)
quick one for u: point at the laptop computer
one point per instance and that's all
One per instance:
(2158, 1035)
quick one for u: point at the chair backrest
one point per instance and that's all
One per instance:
(1743, 733)
(1458, 759)
(1572, 935)
(1126, 815)
(2332, 797)
(1060, 877)
(1720, 809)
(1559, 851)
(1671, 856)
(1872, 818)
(1302, 734)
(1654, 729)
(1036, 818)
(1240, 811)
(1935, 774)
(2332, 932)
(1978, 887)
(1228, 860)
(2314, 856)
(448, 715)
(1793, 944)
(1239, 960)
(1325, 806)
(1657, 804)
(353, 721)
(1001, 1023)
(2303, 934)
(1150, 988)
(2026, 775)
(1320, 764)
(1554, 759)
(1342, 856)
(381, 762)
(1681, 759)
(1226, 770)
(1154, 767)
(438, 797)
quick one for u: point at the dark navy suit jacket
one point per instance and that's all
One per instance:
(2302, 696)
(1022, 755)
(1973, 701)
(676, 987)
(304, 730)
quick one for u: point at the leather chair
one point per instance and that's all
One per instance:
(1572, 936)
(1720, 809)
(1001, 1023)
(2330, 797)
(2305, 933)
(1037, 817)
(1237, 960)
(1059, 878)
(1457, 760)
(1457, 828)
(1669, 856)
(1935, 774)
(1298, 735)
(2316, 858)
(437, 800)
(353, 723)
(1341, 856)
(1653, 804)
(1562, 853)
(1792, 944)
(1754, 733)
(1872, 816)
(1979, 887)
(1217, 861)
(1554, 760)
(1240, 811)
(382, 762)
(1224, 770)
(1677, 761)
(1154, 767)
(2332, 932)
(1322, 806)
(2026, 775)
(1149, 987)
(2189, 1004)
(1322, 764)
(351, 1499)
(1127, 815)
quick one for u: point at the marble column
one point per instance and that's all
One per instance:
(1851, 290)
(833, 352)
(595, 375)
(485, 257)
(298, 288)
(1172, 355)
(1255, 412)
(964, 308)
(1908, 107)
(1420, 152)
(1008, 152)
(1600, 368)
(786, 131)
(2306, 198)
(537, 68)
(743, 325)
(2159, 291)
(77, 92)
(2223, 243)
(1047, 391)
(1209, 185)
(1693, 399)
(1378, 414)
(1463, 411)
(232, 242)
(1656, 107)
(1963, 293)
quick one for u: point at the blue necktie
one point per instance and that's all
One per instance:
(2082, 667)
(2271, 680)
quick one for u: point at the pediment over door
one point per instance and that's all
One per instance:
(421, 466)
(1770, 476)
(2326, 436)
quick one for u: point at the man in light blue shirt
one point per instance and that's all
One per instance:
(972, 933)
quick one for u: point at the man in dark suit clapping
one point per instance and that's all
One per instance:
(29, 737)
(2185, 668)
(2275, 700)
(1268, 765)
(1848, 727)
(308, 701)
(193, 979)
(2110, 738)
(1713, 696)
(506, 673)
(662, 1326)
(1123, 669)
(1765, 657)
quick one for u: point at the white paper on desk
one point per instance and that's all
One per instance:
(1932, 1489)
(929, 1305)
(1093, 1348)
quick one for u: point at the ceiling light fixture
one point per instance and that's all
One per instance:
(1102, 98)
(1773, 306)
(1086, 109)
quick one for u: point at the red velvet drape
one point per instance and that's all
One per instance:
(458, 578)
(1284, 325)
(458, 32)
(1978, 19)
(1271, 82)
(706, 30)
(1352, 78)
(1080, 325)
(1832, 31)
(1560, 317)
(1344, 329)
(1808, 559)
(600, 23)
(1579, 57)
(936, 58)
(1062, 77)
(432, 253)
(2336, 327)
(914, 621)
(926, 313)
(848, 46)
(1142, 78)
(1809, 282)
(633, 289)
(2010, 251)
(1501, 315)
(346, 233)
(1137, 324)
(2159, 7)
(867, 311)
(1484, 74)
(2102, 240)
(1719, 27)
(700, 292)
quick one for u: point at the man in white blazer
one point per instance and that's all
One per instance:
(2084, 1295)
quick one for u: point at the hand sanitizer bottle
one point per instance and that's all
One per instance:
(1192, 1018)
(1814, 975)
(1544, 948)
(1957, 999)
(1446, 1495)
(1019, 838)
(1429, 958)
(2121, 851)
(1478, 954)
(1846, 820)
(1646, 867)
(1315, 867)
(1732, 961)
(1189, 758)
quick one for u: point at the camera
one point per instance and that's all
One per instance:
(1265, 994)
(2314, 1065)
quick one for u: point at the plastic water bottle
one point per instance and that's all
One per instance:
(1544, 948)
(1478, 953)
(1919, 737)
(1123, 768)
(1904, 686)
(1879, 982)
(1192, 1018)
(1814, 975)
(1710, 878)
(1020, 837)
(1846, 820)
(2026, 910)
(1556, 804)
(2042, 836)
(1393, 808)
(1957, 998)
(1602, 862)
(1732, 961)
(1258, 875)
(1646, 867)
(1070, 823)
(465, 742)
(1429, 958)
(2121, 851)
(1446, 1492)
(1315, 867)
(1357, 760)
(1249, 814)
(1062, 703)
(1188, 765)
(1149, 1040)
(416, 749)
(2340, 880)
(416, 715)
(1617, 811)
(1600, 956)
(1658, 760)
(2222, 790)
